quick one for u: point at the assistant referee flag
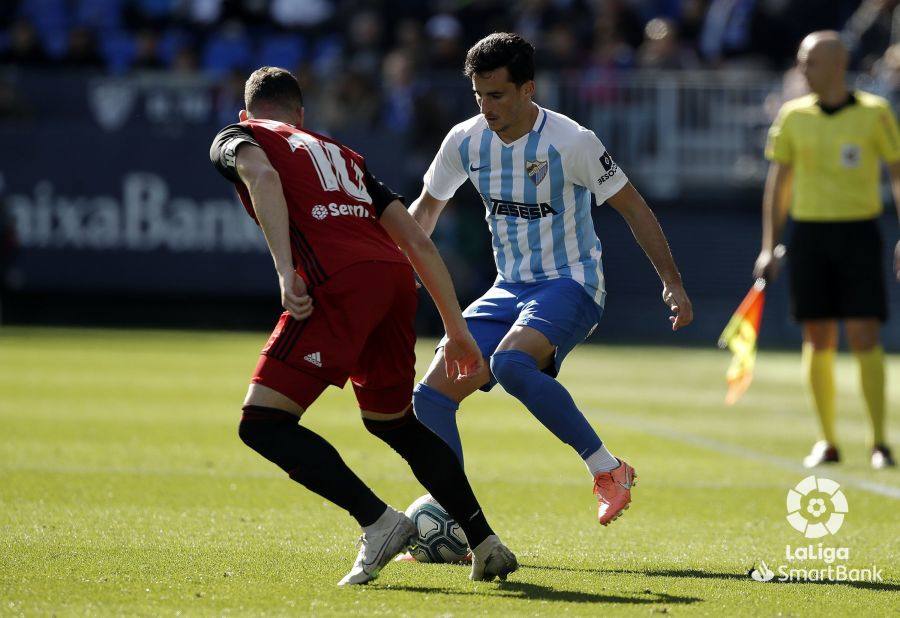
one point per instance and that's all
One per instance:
(740, 336)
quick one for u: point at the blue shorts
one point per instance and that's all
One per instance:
(560, 309)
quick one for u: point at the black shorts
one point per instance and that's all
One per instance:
(837, 270)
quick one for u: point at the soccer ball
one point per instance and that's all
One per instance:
(440, 537)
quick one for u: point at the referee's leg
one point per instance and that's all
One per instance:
(820, 338)
(863, 335)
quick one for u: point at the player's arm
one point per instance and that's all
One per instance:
(894, 172)
(443, 177)
(426, 210)
(264, 186)
(776, 204)
(238, 157)
(593, 167)
(461, 354)
(649, 235)
(462, 357)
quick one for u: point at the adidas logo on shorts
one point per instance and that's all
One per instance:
(315, 358)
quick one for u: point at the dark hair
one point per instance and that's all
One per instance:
(273, 86)
(502, 49)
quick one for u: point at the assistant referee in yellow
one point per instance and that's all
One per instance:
(826, 150)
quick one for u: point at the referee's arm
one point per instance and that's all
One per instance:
(894, 171)
(776, 203)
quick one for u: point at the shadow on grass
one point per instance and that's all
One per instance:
(522, 590)
(679, 573)
(689, 573)
(696, 574)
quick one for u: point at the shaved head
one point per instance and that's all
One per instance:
(822, 58)
(827, 44)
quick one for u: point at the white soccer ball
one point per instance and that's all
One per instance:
(440, 537)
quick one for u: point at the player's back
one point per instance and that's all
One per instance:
(333, 222)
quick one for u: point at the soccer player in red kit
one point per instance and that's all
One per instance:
(336, 234)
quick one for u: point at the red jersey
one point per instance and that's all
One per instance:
(333, 202)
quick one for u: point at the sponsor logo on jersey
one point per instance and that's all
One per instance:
(536, 170)
(321, 211)
(518, 209)
(609, 165)
(315, 358)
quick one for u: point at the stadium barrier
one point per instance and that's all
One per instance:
(110, 190)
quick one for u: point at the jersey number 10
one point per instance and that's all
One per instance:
(331, 166)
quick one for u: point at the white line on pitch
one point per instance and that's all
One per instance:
(643, 425)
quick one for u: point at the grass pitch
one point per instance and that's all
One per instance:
(124, 490)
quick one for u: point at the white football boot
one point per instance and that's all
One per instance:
(492, 559)
(390, 535)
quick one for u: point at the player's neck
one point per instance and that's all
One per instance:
(524, 126)
(276, 114)
(286, 120)
(835, 96)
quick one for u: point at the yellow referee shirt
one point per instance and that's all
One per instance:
(836, 157)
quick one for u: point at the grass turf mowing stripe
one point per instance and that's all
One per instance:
(648, 426)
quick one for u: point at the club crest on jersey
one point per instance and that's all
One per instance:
(536, 170)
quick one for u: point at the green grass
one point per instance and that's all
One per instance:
(124, 489)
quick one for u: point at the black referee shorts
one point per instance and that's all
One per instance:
(837, 270)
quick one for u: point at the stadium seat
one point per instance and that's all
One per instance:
(118, 49)
(101, 15)
(49, 14)
(285, 50)
(155, 9)
(171, 42)
(327, 53)
(225, 51)
(51, 19)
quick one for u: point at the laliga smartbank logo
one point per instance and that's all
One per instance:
(815, 508)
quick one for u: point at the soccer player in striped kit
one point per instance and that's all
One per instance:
(535, 170)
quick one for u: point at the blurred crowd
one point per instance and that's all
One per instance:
(369, 62)
(366, 37)
(389, 71)
(379, 63)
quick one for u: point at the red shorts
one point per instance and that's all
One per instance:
(361, 328)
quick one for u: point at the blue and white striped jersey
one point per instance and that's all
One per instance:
(537, 195)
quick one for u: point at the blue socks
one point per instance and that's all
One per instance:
(438, 412)
(546, 399)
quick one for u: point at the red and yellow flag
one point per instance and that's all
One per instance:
(740, 336)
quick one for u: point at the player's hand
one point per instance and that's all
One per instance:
(462, 358)
(679, 304)
(897, 261)
(294, 297)
(768, 264)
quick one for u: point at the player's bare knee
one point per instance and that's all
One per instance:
(265, 397)
(821, 334)
(377, 422)
(436, 378)
(863, 335)
(530, 341)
